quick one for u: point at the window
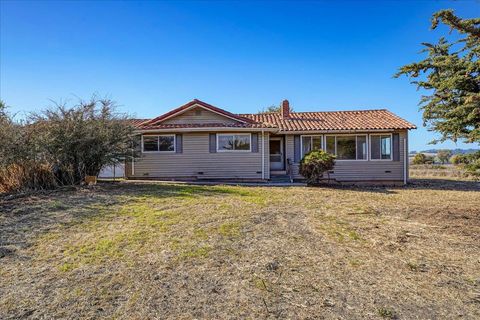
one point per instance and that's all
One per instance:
(158, 143)
(310, 143)
(381, 146)
(347, 147)
(331, 144)
(233, 142)
(362, 148)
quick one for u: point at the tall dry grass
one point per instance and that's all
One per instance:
(25, 176)
(434, 170)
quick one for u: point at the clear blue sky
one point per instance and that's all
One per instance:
(242, 56)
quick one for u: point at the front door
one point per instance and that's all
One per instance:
(276, 153)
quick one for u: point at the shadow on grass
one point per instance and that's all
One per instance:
(418, 184)
(162, 189)
(444, 184)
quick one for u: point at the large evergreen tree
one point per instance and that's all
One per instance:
(451, 72)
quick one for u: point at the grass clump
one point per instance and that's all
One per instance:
(338, 229)
(229, 229)
(196, 252)
(387, 313)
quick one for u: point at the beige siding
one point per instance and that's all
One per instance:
(360, 170)
(198, 115)
(196, 158)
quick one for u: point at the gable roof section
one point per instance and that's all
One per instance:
(192, 104)
(334, 120)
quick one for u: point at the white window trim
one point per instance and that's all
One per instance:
(348, 135)
(235, 134)
(367, 147)
(161, 135)
(310, 135)
(391, 146)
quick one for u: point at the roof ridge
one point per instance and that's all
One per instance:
(329, 111)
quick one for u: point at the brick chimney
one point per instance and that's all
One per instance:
(285, 109)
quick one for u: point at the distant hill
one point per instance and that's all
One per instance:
(454, 151)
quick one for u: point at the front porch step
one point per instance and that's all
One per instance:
(278, 173)
(280, 178)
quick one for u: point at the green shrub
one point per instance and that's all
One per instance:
(469, 162)
(314, 164)
(459, 159)
(472, 168)
(421, 158)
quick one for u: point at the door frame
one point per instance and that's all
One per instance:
(282, 151)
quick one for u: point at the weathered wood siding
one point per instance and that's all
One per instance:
(355, 170)
(198, 115)
(197, 158)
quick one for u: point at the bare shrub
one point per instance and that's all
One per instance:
(62, 144)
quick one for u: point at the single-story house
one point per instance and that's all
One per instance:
(201, 141)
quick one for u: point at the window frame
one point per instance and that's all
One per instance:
(158, 143)
(311, 142)
(234, 134)
(391, 146)
(356, 141)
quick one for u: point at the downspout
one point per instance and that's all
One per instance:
(405, 159)
(263, 156)
(133, 162)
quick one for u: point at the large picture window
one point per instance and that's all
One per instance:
(234, 142)
(310, 143)
(346, 147)
(381, 146)
(158, 143)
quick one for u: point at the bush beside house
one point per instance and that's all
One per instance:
(61, 145)
(314, 165)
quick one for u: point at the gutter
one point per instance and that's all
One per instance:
(273, 130)
(133, 163)
(337, 131)
(209, 129)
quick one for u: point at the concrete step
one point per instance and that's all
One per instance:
(280, 178)
(278, 173)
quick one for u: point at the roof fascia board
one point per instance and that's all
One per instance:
(208, 129)
(200, 106)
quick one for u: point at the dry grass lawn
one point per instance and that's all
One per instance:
(161, 251)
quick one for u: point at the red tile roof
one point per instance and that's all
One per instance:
(297, 121)
(334, 120)
(137, 122)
